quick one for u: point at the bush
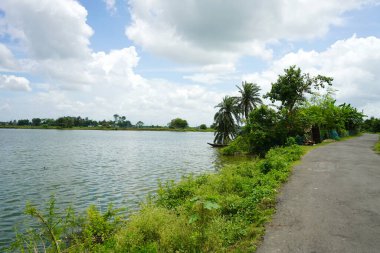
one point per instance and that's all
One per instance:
(264, 130)
(156, 229)
(280, 158)
(238, 146)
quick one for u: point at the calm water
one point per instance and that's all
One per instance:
(92, 167)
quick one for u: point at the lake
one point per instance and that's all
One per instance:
(92, 167)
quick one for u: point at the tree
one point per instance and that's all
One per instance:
(116, 117)
(23, 122)
(291, 88)
(36, 121)
(203, 127)
(65, 122)
(178, 123)
(351, 117)
(372, 125)
(226, 120)
(249, 98)
(139, 124)
(264, 130)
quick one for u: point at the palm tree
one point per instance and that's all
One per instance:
(116, 116)
(226, 120)
(249, 98)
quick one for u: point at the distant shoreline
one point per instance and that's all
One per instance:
(190, 129)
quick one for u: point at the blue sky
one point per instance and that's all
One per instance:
(160, 59)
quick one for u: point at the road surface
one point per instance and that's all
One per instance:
(331, 202)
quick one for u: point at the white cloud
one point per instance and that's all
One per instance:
(48, 29)
(79, 81)
(14, 83)
(110, 5)
(7, 60)
(353, 63)
(212, 74)
(210, 32)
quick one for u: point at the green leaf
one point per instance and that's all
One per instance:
(193, 218)
(211, 205)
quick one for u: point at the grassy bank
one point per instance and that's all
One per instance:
(225, 211)
(377, 146)
(189, 129)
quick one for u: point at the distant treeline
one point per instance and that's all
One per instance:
(79, 122)
(70, 122)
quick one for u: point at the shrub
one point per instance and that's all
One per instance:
(156, 229)
(238, 146)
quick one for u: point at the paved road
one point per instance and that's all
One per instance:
(331, 202)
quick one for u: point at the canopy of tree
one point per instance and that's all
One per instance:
(178, 123)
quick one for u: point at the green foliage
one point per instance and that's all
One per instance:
(249, 98)
(139, 124)
(290, 141)
(226, 120)
(23, 122)
(377, 146)
(36, 121)
(238, 146)
(98, 227)
(178, 123)
(53, 231)
(264, 130)
(203, 127)
(156, 229)
(291, 88)
(279, 158)
(372, 125)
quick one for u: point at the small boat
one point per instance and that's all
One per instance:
(217, 145)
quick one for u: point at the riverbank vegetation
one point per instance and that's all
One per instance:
(303, 111)
(225, 211)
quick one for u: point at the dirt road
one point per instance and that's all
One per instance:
(331, 202)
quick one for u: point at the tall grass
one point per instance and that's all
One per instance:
(377, 146)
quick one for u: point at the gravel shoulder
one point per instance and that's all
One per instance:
(331, 202)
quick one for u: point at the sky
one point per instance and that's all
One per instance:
(156, 60)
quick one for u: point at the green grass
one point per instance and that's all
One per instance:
(377, 146)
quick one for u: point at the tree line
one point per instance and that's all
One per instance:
(70, 121)
(118, 122)
(303, 110)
